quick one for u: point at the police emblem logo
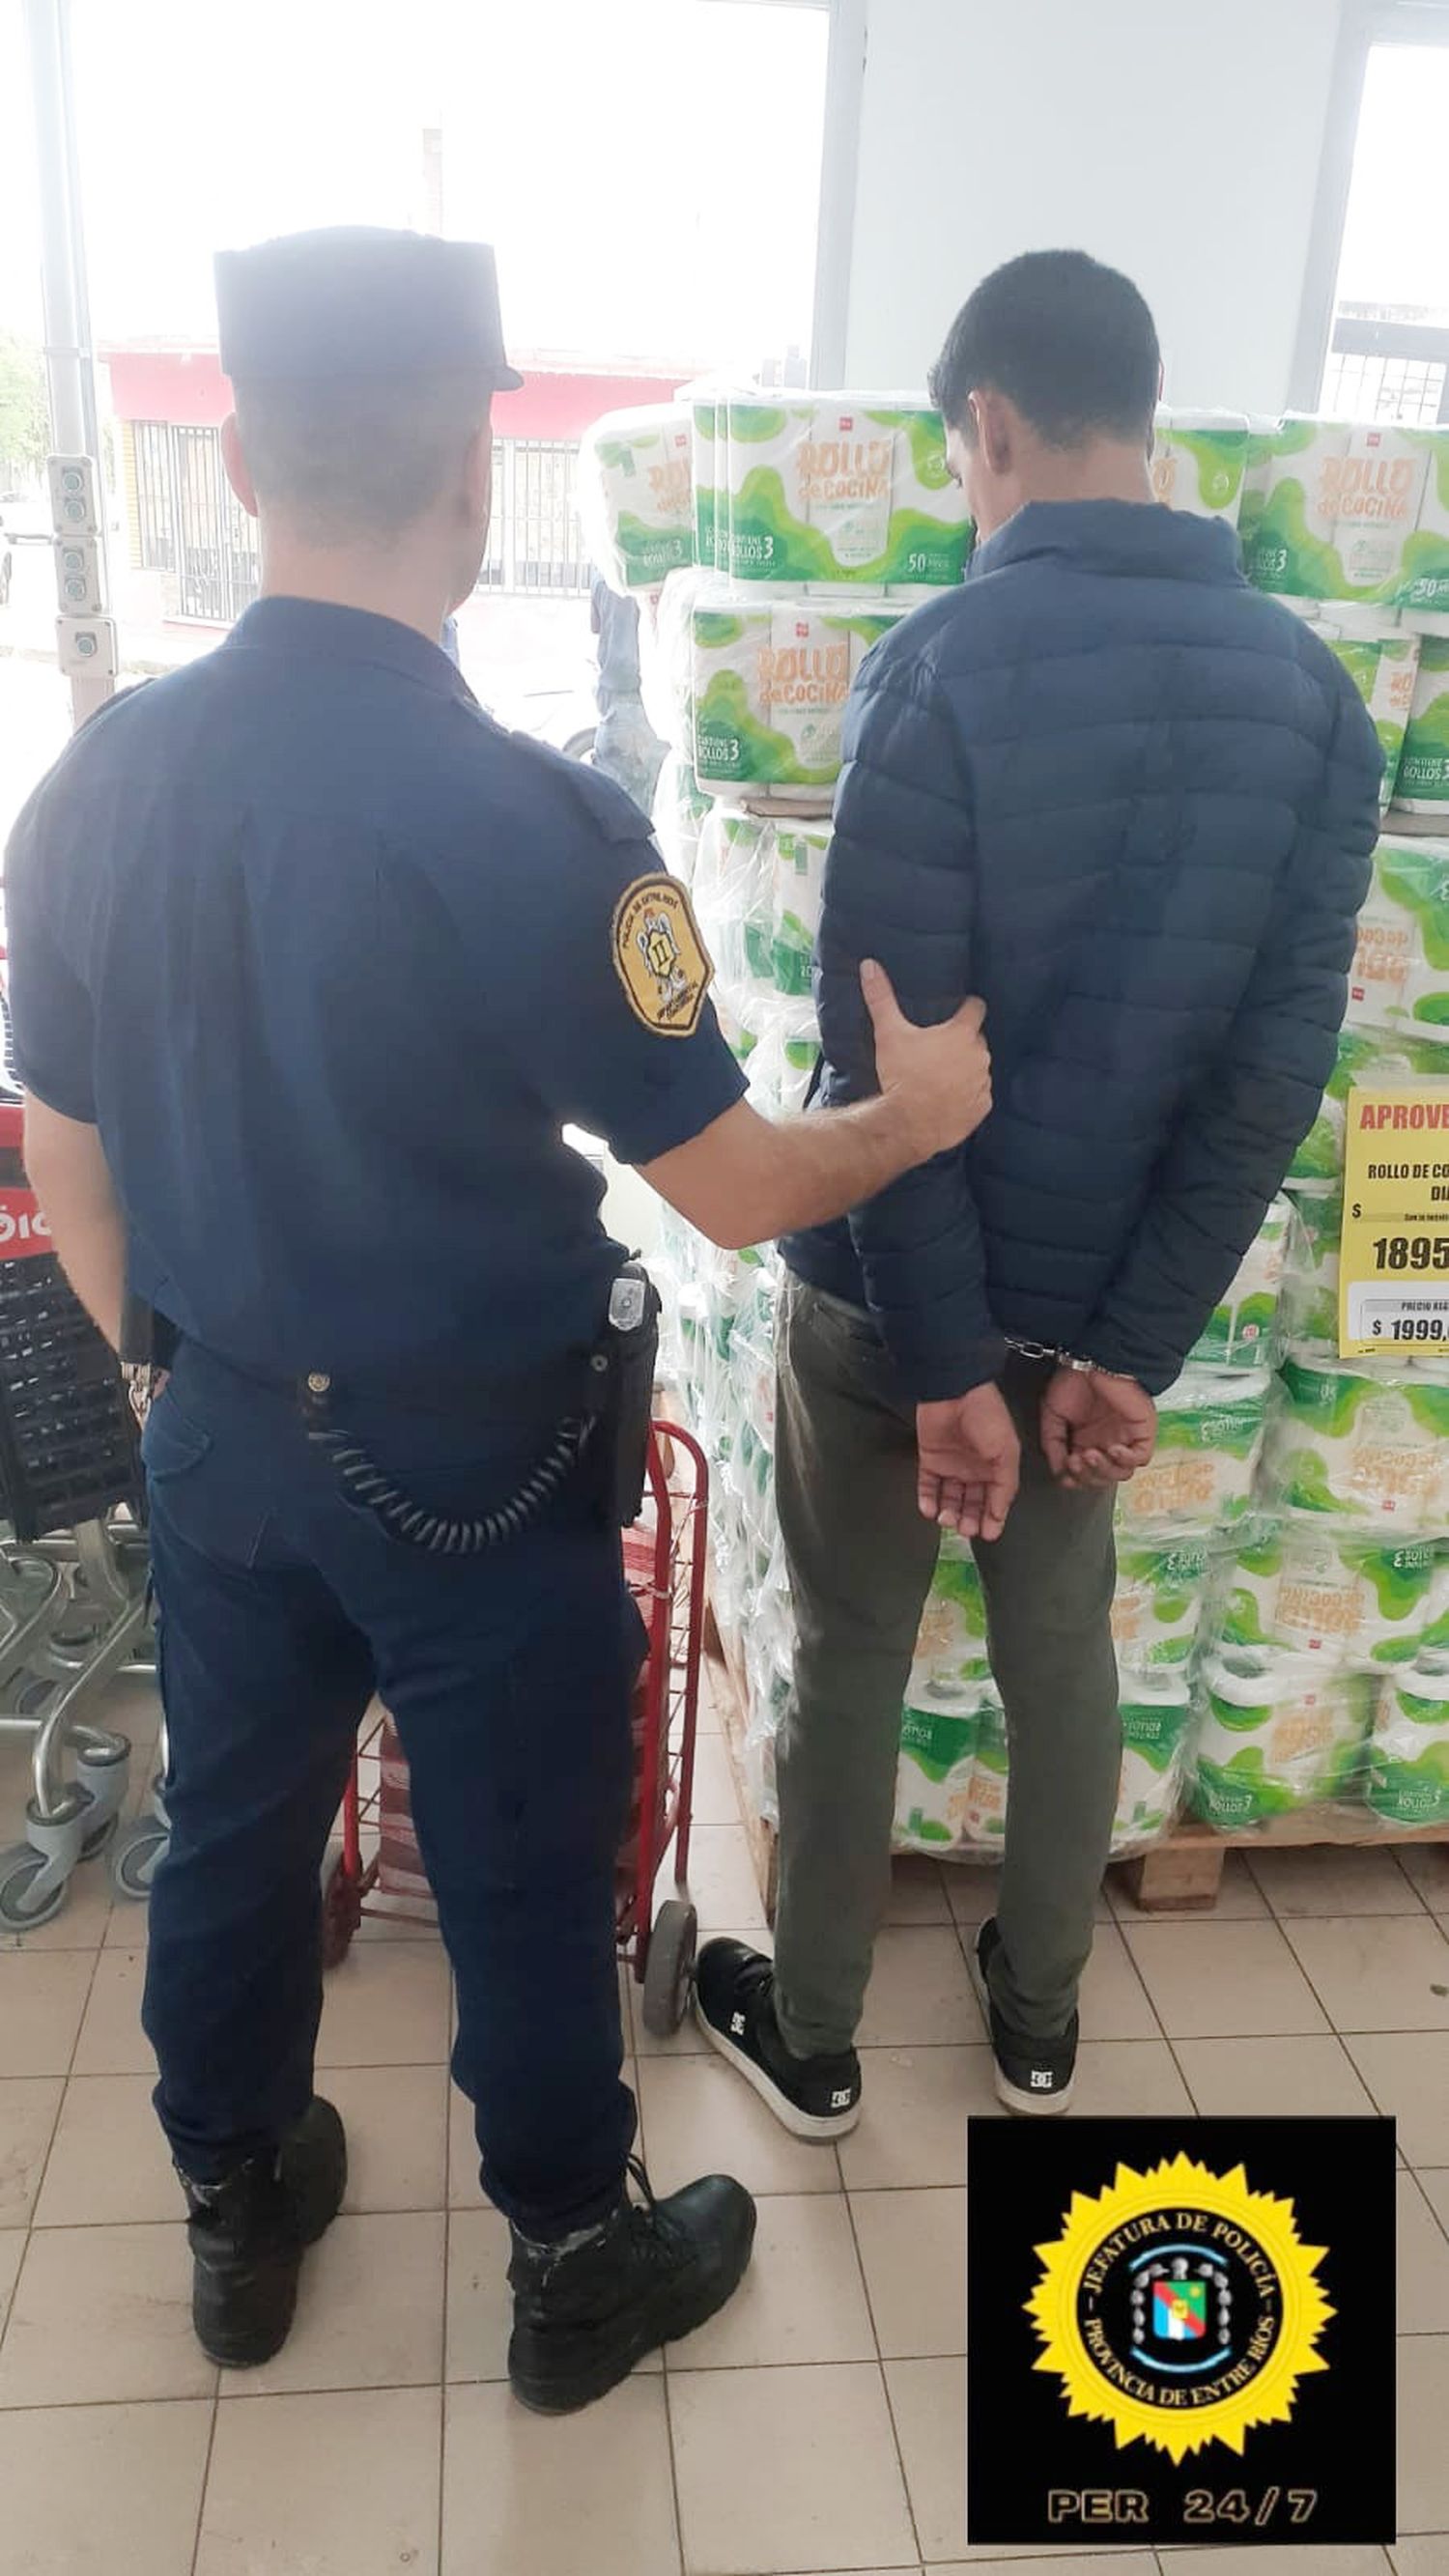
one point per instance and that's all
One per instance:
(1181, 2307)
(659, 956)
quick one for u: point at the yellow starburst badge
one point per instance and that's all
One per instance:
(1181, 2307)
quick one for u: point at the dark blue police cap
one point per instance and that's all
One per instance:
(356, 301)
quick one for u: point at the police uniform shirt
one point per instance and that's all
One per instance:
(330, 959)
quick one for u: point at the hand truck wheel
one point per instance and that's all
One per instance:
(669, 1967)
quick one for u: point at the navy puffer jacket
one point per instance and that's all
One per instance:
(1131, 803)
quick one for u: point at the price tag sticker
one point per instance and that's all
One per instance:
(1394, 1262)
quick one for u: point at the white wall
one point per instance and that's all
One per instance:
(1180, 142)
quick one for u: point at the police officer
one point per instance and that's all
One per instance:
(310, 965)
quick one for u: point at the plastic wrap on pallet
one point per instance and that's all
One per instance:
(1400, 973)
(678, 816)
(1276, 1734)
(1304, 1584)
(1362, 1441)
(1243, 1331)
(1162, 1590)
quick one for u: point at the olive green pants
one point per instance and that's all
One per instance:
(861, 1559)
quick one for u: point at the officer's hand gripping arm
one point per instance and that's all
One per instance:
(746, 1179)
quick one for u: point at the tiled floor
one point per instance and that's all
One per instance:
(815, 2426)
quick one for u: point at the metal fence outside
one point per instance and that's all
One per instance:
(188, 525)
(1388, 371)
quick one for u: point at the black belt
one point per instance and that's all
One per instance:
(545, 1394)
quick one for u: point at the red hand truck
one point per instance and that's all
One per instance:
(377, 1871)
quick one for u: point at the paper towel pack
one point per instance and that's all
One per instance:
(1423, 781)
(1383, 666)
(1361, 1440)
(1343, 1596)
(1274, 1736)
(636, 495)
(1400, 972)
(770, 682)
(1408, 1752)
(1198, 462)
(831, 490)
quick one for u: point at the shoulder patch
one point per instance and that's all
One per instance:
(659, 956)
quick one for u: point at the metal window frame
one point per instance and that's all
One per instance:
(839, 167)
(1363, 25)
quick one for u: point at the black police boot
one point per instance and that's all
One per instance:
(585, 2311)
(249, 2232)
(734, 2005)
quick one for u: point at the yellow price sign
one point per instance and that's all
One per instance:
(1394, 1262)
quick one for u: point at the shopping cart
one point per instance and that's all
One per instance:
(73, 1585)
(378, 1871)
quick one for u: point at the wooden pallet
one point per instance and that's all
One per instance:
(1181, 1875)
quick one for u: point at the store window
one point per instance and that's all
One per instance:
(1389, 353)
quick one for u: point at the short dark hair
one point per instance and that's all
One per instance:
(357, 456)
(1070, 342)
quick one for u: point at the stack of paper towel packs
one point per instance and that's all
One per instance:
(1282, 1613)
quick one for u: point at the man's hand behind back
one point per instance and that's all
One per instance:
(938, 1078)
(1096, 1430)
(970, 1462)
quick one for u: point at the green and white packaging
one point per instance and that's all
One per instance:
(986, 1794)
(1365, 1056)
(841, 490)
(636, 495)
(1209, 1434)
(1158, 1603)
(1423, 781)
(1242, 1333)
(1155, 1713)
(1408, 1754)
(1384, 668)
(1341, 1596)
(1362, 1441)
(1289, 513)
(1198, 462)
(1271, 1741)
(1379, 492)
(934, 1770)
(734, 896)
(705, 446)
(801, 850)
(1309, 1311)
(1400, 973)
(1425, 583)
(951, 1662)
(770, 685)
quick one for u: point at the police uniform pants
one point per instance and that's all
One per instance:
(282, 1607)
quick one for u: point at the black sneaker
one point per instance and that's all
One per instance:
(734, 2004)
(585, 2313)
(248, 2235)
(1033, 2076)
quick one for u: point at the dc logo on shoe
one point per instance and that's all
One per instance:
(840, 2101)
(737, 2025)
(1041, 2079)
